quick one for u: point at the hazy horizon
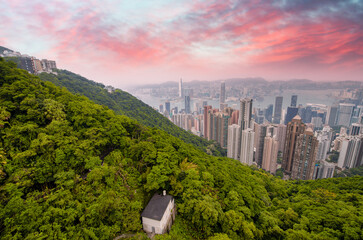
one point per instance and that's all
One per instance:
(129, 43)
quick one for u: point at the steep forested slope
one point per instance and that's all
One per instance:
(126, 104)
(72, 169)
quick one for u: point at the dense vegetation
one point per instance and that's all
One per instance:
(358, 171)
(72, 169)
(126, 104)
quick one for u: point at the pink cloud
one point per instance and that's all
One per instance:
(252, 33)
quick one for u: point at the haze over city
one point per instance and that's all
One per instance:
(129, 42)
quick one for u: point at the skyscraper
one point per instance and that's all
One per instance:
(281, 136)
(324, 138)
(233, 136)
(291, 113)
(293, 130)
(247, 139)
(278, 110)
(270, 151)
(222, 129)
(268, 112)
(244, 120)
(181, 94)
(323, 169)
(167, 106)
(345, 112)
(304, 156)
(351, 153)
(245, 113)
(222, 96)
(356, 129)
(293, 100)
(357, 114)
(205, 119)
(187, 104)
(260, 134)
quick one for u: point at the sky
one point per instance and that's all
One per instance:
(132, 42)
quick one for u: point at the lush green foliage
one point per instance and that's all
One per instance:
(73, 169)
(358, 171)
(14, 59)
(334, 156)
(126, 104)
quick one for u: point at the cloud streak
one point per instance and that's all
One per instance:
(170, 36)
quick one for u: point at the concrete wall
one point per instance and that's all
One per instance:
(164, 224)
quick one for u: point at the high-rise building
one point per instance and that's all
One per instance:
(233, 136)
(247, 140)
(37, 65)
(281, 136)
(306, 114)
(345, 112)
(351, 153)
(222, 129)
(26, 63)
(331, 116)
(323, 169)
(245, 113)
(222, 106)
(317, 122)
(187, 104)
(234, 117)
(268, 113)
(161, 108)
(356, 129)
(260, 134)
(167, 106)
(304, 156)
(244, 120)
(324, 138)
(259, 115)
(270, 151)
(293, 100)
(48, 65)
(357, 114)
(291, 113)
(206, 121)
(222, 96)
(293, 130)
(278, 110)
(181, 94)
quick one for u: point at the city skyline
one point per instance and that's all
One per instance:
(153, 42)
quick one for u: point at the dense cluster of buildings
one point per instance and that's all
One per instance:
(31, 64)
(300, 140)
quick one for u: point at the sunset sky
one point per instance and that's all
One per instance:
(123, 43)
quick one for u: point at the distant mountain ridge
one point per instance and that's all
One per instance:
(302, 84)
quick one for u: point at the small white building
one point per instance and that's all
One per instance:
(159, 214)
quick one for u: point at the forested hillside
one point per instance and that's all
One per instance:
(126, 104)
(72, 169)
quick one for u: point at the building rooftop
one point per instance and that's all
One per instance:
(309, 130)
(297, 117)
(156, 207)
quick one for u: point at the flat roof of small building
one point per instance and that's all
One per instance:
(155, 209)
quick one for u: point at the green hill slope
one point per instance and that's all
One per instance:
(126, 104)
(72, 169)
